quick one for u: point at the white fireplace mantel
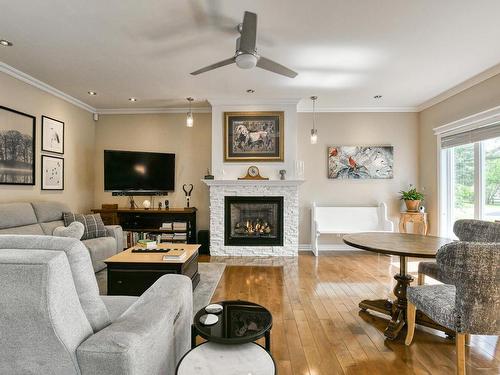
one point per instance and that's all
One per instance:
(253, 182)
(288, 189)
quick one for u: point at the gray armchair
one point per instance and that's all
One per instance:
(472, 304)
(465, 230)
(52, 320)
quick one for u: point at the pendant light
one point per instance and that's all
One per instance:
(189, 118)
(314, 131)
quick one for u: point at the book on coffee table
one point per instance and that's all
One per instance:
(176, 254)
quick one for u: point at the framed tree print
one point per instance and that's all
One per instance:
(17, 147)
(52, 135)
(52, 173)
(253, 136)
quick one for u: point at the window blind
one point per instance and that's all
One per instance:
(471, 136)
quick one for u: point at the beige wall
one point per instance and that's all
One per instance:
(476, 99)
(397, 129)
(159, 133)
(78, 148)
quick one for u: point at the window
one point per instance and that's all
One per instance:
(470, 178)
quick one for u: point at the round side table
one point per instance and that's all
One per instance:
(239, 322)
(211, 358)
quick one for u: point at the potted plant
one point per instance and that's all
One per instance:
(412, 198)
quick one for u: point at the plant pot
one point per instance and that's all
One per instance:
(412, 206)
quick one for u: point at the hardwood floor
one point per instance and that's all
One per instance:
(318, 327)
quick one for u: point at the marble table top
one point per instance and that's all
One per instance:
(211, 358)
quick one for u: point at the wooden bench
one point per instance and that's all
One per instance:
(343, 220)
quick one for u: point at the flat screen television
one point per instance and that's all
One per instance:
(141, 172)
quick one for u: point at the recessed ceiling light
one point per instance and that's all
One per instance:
(377, 97)
(132, 99)
(5, 43)
(250, 91)
(92, 93)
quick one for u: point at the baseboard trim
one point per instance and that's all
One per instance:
(328, 247)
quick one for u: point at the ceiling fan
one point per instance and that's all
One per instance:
(246, 56)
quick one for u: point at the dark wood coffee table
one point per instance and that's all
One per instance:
(402, 245)
(130, 274)
(239, 322)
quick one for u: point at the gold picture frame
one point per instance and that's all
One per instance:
(254, 136)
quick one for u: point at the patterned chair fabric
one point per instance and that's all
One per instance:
(472, 304)
(467, 230)
(477, 230)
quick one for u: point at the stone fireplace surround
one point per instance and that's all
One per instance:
(288, 189)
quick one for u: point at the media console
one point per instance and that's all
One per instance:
(151, 220)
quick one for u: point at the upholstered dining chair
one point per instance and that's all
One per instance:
(471, 305)
(466, 230)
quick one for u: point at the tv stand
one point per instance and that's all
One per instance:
(150, 220)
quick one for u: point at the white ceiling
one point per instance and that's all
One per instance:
(344, 51)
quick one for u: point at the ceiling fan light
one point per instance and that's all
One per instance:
(246, 61)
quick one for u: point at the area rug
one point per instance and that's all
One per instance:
(210, 274)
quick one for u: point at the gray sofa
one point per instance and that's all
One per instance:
(53, 321)
(41, 218)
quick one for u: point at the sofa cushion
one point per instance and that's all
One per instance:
(100, 249)
(16, 215)
(48, 228)
(41, 319)
(33, 229)
(74, 230)
(49, 211)
(81, 270)
(94, 227)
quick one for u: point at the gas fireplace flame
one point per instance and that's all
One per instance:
(250, 227)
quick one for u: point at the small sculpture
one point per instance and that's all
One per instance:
(159, 205)
(166, 204)
(282, 174)
(208, 176)
(146, 204)
(187, 191)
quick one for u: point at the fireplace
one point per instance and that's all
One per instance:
(253, 221)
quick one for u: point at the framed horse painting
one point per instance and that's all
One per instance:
(253, 136)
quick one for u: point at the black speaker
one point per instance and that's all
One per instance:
(204, 241)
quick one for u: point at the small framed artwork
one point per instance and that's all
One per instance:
(17, 147)
(360, 162)
(52, 135)
(52, 173)
(253, 136)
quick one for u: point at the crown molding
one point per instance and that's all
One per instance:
(26, 78)
(477, 120)
(481, 77)
(252, 101)
(145, 111)
(357, 109)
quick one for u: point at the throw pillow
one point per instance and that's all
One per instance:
(74, 230)
(94, 227)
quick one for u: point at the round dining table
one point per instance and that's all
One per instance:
(402, 245)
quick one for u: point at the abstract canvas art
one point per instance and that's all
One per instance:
(360, 162)
(253, 136)
(52, 173)
(17, 147)
(52, 135)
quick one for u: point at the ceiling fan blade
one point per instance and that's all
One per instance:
(248, 33)
(274, 67)
(214, 66)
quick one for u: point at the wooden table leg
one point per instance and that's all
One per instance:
(397, 309)
(398, 317)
